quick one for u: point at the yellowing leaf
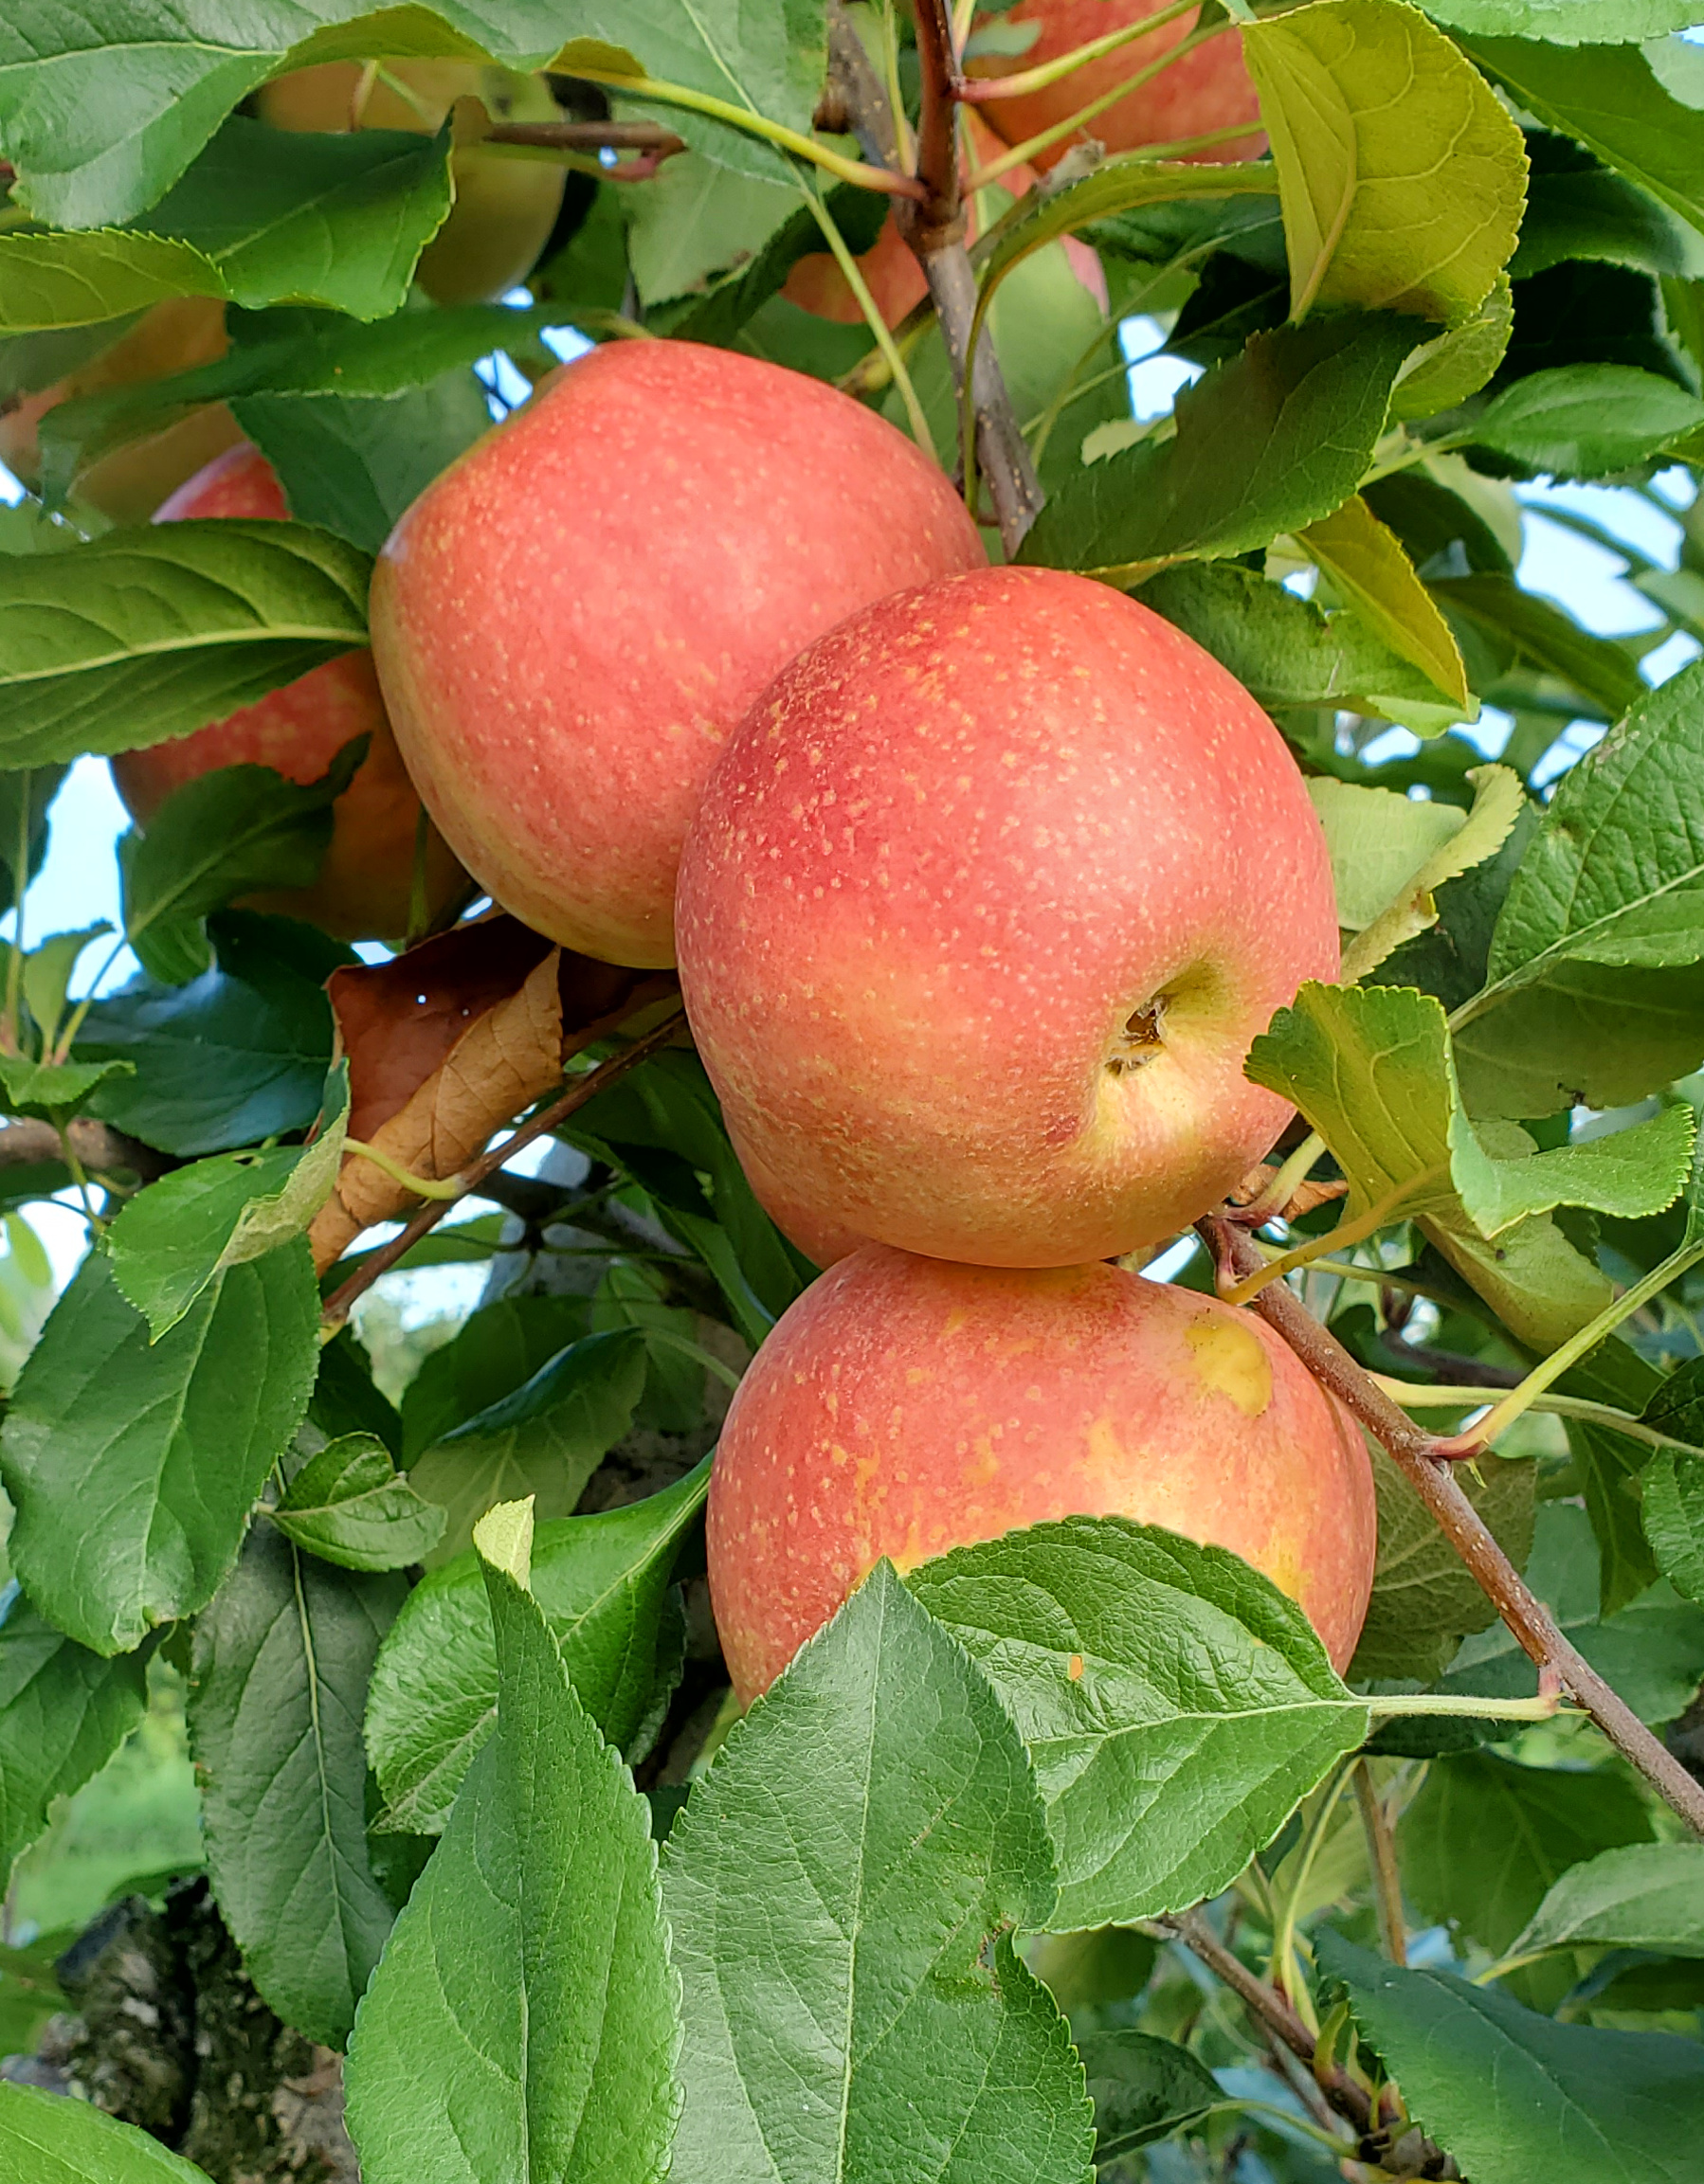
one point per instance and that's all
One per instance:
(1374, 574)
(1498, 795)
(1402, 179)
(1378, 841)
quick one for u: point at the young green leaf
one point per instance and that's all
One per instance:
(170, 1441)
(49, 2139)
(1457, 363)
(1287, 652)
(52, 1090)
(1608, 97)
(234, 1057)
(524, 2021)
(146, 635)
(842, 1892)
(1672, 1502)
(1403, 178)
(1490, 2081)
(601, 1581)
(546, 1440)
(1175, 1703)
(1368, 568)
(1269, 443)
(1586, 420)
(1142, 2088)
(46, 977)
(350, 1506)
(280, 1669)
(1647, 1896)
(169, 1241)
(1485, 1838)
(64, 1712)
(227, 833)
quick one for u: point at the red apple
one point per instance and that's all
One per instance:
(981, 909)
(364, 885)
(1208, 89)
(902, 1407)
(569, 621)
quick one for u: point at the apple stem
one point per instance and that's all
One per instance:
(1422, 1461)
(584, 1088)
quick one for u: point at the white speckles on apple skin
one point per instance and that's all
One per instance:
(1056, 809)
(562, 686)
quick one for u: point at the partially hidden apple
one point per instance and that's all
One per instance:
(980, 908)
(1204, 90)
(365, 884)
(506, 203)
(130, 483)
(571, 621)
(902, 1407)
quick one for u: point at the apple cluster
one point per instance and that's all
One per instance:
(980, 881)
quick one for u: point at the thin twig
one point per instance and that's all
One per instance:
(101, 1149)
(1415, 1454)
(582, 1089)
(934, 231)
(589, 136)
(1388, 1887)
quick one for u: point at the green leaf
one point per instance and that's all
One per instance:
(687, 236)
(1615, 878)
(1176, 1705)
(1586, 420)
(54, 281)
(52, 1090)
(1490, 2081)
(1672, 1502)
(1456, 364)
(498, 1347)
(1576, 209)
(47, 976)
(349, 1506)
(331, 219)
(81, 162)
(352, 466)
(1286, 651)
(146, 635)
(1424, 1600)
(524, 2021)
(546, 1440)
(1371, 573)
(280, 1667)
(1371, 1069)
(1378, 840)
(600, 1582)
(169, 1441)
(841, 1891)
(1608, 97)
(52, 2141)
(1485, 1838)
(1268, 442)
(1541, 633)
(1403, 178)
(1411, 907)
(232, 1058)
(232, 832)
(1142, 2088)
(1646, 1896)
(64, 1712)
(719, 317)
(170, 1240)
(1652, 1652)
(1565, 22)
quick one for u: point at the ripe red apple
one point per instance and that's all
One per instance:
(982, 907)
(505, 205)
(129, 484)
(569, 622)
(364, 885)
(1208, 89)
(903, 1406)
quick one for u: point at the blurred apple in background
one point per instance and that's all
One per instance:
(902, 1407)
(505, 203)
(1208, 89)
(571, 621)
(365, 883)
(983, 905)
(129, 484)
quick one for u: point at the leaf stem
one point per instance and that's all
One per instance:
(984, 90)
(874, 319)
(1380, 1851)
(1357, 1231)
(1285, 1181)
(1283, 1940)
(1462, 1706)
(338, 1304)
(1413, 1396)
(421, 1187)
(1416, 1455)
(10, 1029)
